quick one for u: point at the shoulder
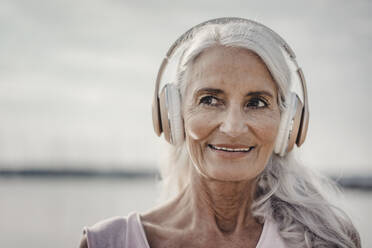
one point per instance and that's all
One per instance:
(164, 227)
(108, 233)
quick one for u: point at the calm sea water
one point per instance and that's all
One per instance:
(51, 213)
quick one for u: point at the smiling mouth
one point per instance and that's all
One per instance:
(230, 149)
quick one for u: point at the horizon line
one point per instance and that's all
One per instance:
(355, 181)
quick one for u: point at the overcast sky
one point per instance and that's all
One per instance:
(77, 77)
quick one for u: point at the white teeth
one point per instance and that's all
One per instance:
(231, 149)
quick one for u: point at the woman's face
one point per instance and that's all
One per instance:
(231, 114)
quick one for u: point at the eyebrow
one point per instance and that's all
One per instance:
(218, 91)
(258, 93)
(209, 91)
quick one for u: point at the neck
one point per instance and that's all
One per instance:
(224, 203)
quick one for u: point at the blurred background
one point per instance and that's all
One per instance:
(76, 86)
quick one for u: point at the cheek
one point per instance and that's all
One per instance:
(265, 127)
(197, 131)
(198, 126)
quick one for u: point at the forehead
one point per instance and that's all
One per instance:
(229, 68)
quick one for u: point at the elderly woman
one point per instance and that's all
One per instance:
(233, 121)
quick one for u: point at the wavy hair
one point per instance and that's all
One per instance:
(286, 191)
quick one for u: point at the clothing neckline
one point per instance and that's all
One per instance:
(141, 229)
(144, 240)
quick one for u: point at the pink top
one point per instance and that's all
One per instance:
(128, 232)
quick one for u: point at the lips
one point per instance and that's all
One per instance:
(231, 148)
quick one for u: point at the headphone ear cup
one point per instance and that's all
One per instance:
(170, 112)
(294, 124)
(289, 124)
(163, 107)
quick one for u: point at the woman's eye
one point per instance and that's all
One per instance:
(209, 100)
(256, 103)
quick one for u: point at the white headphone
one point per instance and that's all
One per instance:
(166, 107)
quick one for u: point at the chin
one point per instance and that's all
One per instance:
(236, 174)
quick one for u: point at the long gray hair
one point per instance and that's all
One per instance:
(287, 191)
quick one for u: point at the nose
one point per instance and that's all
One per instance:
(233, 123)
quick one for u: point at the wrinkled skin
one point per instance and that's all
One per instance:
(230, 101)
(230, 113)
